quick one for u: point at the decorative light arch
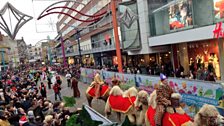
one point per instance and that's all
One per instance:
(20, 17)
(50, 10)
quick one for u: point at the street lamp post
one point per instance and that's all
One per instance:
(116, 37)
(49, 53)
(3, 58)
(63, 51)
(78, 40)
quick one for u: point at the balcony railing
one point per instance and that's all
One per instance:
(95, 47)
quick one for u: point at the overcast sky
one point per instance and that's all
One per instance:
(34, 30)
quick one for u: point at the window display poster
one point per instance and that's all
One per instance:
(180, 15)
(219, 9)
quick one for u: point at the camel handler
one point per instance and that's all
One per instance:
(163, 99)
(115, 82)
(97, 82)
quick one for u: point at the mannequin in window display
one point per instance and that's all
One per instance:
(216, 66)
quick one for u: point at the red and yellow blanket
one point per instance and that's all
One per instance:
(121, 104)
(150, 115)
(103, 90)
(175, 119)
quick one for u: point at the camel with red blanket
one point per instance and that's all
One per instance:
(97, 89)
(122, 102)
(174, 115)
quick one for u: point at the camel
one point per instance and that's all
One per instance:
(104, 89)
(122, 102)
(141, 106)
(101, 88)
(174, 114)
(208, 115)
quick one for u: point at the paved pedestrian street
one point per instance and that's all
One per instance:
(98, 105)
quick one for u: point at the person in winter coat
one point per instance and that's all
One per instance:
(57, 91)
(43, 90)
(76, 92)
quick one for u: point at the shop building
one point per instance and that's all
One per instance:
(187, 26)
(135, 34)
(97, 46)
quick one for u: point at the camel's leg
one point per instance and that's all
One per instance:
(147, 123)
(104, 98)
(107, 109)
(118, 116)
(140, 118)
(132, 118)
(89, 99)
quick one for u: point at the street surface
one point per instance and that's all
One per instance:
(98, 105)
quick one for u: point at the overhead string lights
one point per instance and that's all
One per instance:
(51, 10)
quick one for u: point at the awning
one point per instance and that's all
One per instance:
(167, 5)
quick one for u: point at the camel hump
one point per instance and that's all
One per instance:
(116, 90)
(130, 92)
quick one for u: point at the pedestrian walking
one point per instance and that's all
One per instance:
(49, 81)
(68, 77)
(58, 80)
(76, 92)
(43, 90)
(57, 91)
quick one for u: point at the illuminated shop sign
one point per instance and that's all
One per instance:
(218, 31)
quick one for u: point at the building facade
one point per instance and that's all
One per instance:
(187, 27)
(9, 51)
(97, 46)
(23, 51)
(35, 53)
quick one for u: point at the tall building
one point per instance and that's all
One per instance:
(96, 38)
(22, 50)
(9, 51)
(35, 53)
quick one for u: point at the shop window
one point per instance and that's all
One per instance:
(107, 40)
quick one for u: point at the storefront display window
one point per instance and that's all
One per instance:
(204, 56)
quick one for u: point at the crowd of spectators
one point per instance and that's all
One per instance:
(22, 102)
(198, 72)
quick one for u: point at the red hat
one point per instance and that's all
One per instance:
(22, 120)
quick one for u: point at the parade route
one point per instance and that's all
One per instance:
(98, 105)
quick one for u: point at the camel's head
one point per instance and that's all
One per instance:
(131, 92)
(116, 90)
(142, 99)
(208, 114)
